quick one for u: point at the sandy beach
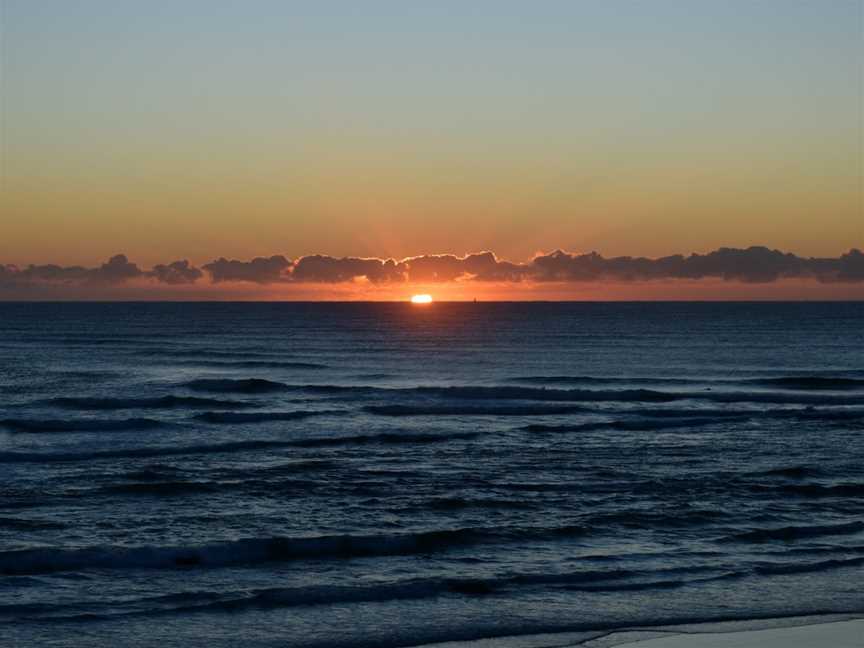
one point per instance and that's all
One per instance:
(839, 634)
(803, 632)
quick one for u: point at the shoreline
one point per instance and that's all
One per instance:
(829, 634)
(810, 631)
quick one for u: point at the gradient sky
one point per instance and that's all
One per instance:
(197, 129)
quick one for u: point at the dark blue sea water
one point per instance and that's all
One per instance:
(389, 475)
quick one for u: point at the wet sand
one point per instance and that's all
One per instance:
(839, 634)
(802, 632)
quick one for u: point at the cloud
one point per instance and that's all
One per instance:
(325, 269)
(117, 270)
(430, 268)
(753, 265)
(259, 270)
(485, 266)
(434, 268)
(45, 273)
(851, 266)
(179, 272)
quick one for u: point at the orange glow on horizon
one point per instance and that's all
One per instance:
(421, 299)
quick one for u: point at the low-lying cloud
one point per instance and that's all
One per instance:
(259, 270)
(117, 269)
(751, 265)
(179, 272)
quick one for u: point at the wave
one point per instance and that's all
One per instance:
(792, 533)
(654, 585)
(261, 417)
(256, 364)
(798, 383)
(250, 481)
(602, 380)
(266, 598)
(806, 413)
(236, 446)
(445, 410)
(457, 503)
(803, 568)
(701, 412)
(89, 375)
(278, 597)
(238, 354)
(774, 398)
(476, 392)
(81, 341)
(327, 594)
(792, 472)
(624, 426)
(656, 519)
(129, 453)
(810, 383)
(241, 385)
(812, 490)
(163, 488)
(169, 480)
(385, 438)
(83, 425)
(28, 524)
(291, 467)
(470, 392)
(262, 550)
(162, 402)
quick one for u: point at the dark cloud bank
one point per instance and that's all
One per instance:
(751, 265)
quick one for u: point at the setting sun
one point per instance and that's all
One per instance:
(421, 299)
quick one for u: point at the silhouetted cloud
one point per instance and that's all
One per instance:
(179, 272)
(430, 268)
(45, 273)
(485, 266)
(752, 265)
(258, 270)
(326, 269)
(117, 270)
(851, 266)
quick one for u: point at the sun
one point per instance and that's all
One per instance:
(421, 299)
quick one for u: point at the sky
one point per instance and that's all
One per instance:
(198, 130)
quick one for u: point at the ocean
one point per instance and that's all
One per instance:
(388, 474)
